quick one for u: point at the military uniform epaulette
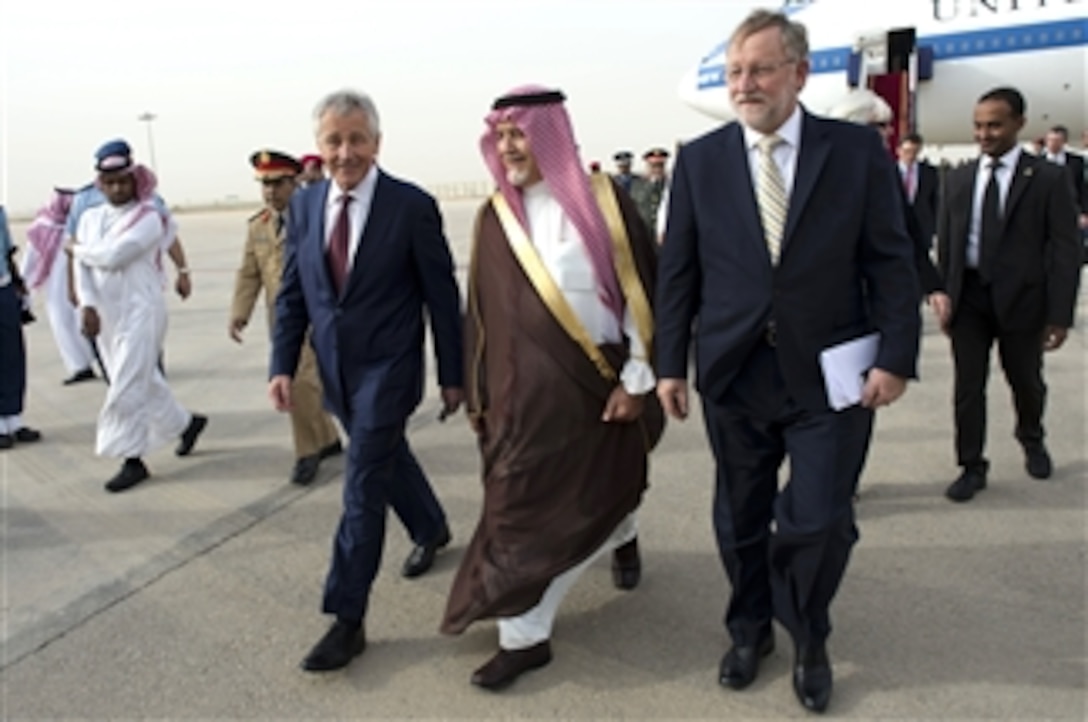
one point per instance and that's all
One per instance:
(261, 215)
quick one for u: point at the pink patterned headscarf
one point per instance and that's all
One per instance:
(146, 182)
(548, 128)
(46, 235)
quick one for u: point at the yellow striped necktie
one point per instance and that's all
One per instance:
(771, 195)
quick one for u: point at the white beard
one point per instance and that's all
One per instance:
(517, 177)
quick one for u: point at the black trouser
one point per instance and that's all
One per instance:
(790, 571)
(12, 353)
(973, 331)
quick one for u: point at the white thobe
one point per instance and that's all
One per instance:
(563, 253)
(74, 349)
(119, 275)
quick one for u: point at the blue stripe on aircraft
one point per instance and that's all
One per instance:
(971, 44)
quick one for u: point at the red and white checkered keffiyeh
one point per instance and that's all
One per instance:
(46, 235)
(551, 140)
(146, 183)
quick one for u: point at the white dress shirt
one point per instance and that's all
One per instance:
(663, 214)
(359, 211)
(982, 177)
(560, 247)
(785, 154)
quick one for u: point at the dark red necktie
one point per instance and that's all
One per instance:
(338, 245)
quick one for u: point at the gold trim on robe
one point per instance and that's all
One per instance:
(623, 260)
(546, 288)
(475, 399)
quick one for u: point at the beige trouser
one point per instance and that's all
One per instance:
(312, 427)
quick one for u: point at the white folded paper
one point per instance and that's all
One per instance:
(844, 368)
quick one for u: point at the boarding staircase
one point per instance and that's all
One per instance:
(892, 64)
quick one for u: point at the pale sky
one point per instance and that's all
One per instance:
(226, 77)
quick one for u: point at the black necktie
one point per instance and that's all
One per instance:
(281, 220)
(990, 233)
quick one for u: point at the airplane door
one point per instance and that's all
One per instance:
(886, 63)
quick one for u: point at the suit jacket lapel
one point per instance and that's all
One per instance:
(961, 201)
(810, 162)
(734, 156)
(1025, 170)
(318, 201)
(376, 222)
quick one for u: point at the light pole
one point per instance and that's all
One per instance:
(148, 117)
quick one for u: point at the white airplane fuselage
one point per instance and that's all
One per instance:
(1037, 46)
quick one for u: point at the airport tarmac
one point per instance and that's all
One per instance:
(195, 595)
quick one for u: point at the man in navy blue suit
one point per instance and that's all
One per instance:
(785, 238)
(365, 255)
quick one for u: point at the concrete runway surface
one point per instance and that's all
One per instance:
(195, 595)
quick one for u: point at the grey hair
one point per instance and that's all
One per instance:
(343, 102)
(861, 106)
(794, 34)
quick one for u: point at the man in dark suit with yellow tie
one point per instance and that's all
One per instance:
(785, 237)
(366, 257)
(1007, 242)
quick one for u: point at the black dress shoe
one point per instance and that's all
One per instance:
(6, 441)
(626, 565)
(86, 374)
(191, 434)
(421, 558)
(970, 481)
(509, 664)
(132, 473)
(341, 644)
(1037, 460)
(812, 677)
(333, 449)
(27, 435)
(305, 469)
(740, 665)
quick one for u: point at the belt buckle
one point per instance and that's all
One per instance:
(770, 334)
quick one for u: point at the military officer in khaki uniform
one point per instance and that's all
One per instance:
(316, 437)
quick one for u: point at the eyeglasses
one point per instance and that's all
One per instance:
(756, 72)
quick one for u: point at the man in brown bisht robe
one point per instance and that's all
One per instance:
(557, 342)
